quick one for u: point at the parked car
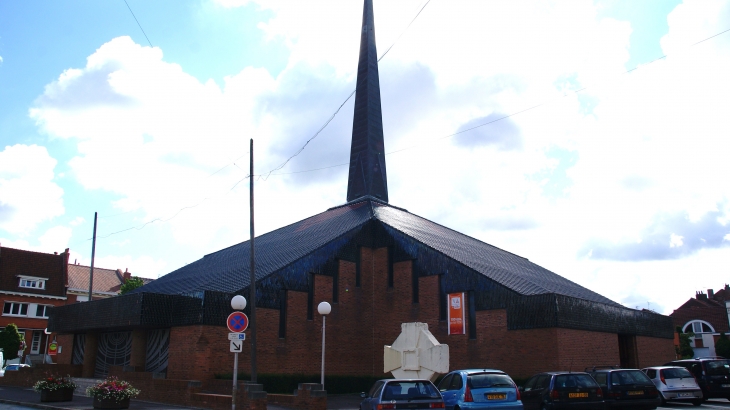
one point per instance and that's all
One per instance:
(626, 388)
(15, 367)
(712, 374)
(675, 384)
(561, 390)
(479, 389)
(391, 394)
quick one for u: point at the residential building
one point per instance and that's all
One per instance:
(31, 283)
(107, 282)
(706, 315)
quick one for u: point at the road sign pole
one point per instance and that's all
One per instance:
(235, 381)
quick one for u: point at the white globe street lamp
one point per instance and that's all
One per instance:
(238, 302)
(324, 309)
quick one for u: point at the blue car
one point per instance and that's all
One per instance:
(479, 389)
(411, 394)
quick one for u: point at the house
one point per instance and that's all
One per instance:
(107, 282)
(706, 315)
(31, 283)
(379, 266)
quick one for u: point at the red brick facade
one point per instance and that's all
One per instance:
(367, 317)
(52, 270)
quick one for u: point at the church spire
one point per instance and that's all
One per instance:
(367, 155)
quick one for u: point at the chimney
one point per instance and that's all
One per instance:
(710, 293)
(700, 296)
(127, 275)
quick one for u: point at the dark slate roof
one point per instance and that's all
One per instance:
(511, 271)
(228, 270)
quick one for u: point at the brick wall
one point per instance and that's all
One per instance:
(654, 351)
(370, 316)
(28, 376)
(66, 343)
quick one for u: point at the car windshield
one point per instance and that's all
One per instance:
(574, 380)
(718, 367)
(629, 377)
(484, 380)
(409, 390)
(676, 373)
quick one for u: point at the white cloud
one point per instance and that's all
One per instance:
(675, 241)
(28, 193)
(601, 164)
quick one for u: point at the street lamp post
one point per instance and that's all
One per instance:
(48, 337)
(324, 309)
(238, 302)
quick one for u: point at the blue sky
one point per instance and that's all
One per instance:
(620, 187)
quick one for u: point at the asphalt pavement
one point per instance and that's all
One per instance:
(21, 397)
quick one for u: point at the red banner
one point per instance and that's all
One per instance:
(457, 325)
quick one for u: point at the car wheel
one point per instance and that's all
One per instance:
(697, 402)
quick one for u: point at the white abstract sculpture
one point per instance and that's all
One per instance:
(416, 354)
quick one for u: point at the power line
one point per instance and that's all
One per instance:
(283, 164)
(140, 26)
(573, 92)
(268, 174)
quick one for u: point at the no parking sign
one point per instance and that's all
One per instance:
(237, 322)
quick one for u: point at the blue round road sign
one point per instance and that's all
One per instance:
(237, 322)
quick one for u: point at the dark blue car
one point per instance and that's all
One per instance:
(479, 389)
(396, 394)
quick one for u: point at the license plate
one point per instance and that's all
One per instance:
(685, 395)
(500, 396)
(726, 386)
(635, 393)
(577, 395)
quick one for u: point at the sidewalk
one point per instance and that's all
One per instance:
(27, 397)
(21, 396)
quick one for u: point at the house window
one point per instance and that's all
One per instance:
(698, 327)
(15, 309)
(32, 283)
(42, 311)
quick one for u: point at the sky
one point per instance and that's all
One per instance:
(590, 137)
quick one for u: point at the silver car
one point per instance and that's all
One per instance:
(675, 384)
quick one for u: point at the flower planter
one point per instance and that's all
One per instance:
(62, 394)
(110, 403)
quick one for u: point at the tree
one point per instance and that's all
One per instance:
(684, 350)
(10, 341)
(131, 284)
(722, 347)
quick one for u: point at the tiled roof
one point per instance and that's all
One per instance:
(228, 270)
(105, 280)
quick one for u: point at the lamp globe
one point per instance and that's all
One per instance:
(324, 308)
(238, 302)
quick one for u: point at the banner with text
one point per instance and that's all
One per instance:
(456, 314)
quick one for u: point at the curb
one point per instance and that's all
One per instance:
(34, 405)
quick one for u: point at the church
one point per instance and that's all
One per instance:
(378, 265)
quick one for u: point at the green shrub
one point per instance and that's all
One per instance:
(722, 347)
(684, 350)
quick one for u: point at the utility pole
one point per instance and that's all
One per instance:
(93, 253)
(252, 286)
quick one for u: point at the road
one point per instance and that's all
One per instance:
(709, 404)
